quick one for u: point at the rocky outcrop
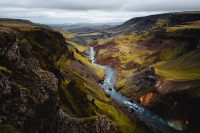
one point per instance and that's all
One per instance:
(140, 84)
(30, 84)
(96, 124)
(39, 111)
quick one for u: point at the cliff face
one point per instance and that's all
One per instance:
(33, 88)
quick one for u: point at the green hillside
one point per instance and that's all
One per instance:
(185, 67)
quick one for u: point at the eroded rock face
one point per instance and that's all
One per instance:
(166, 87)
(38, 111)
(147, 98)
(141, 83)
(176, 100)
(20, 106)
(98, 124)
(109, 61)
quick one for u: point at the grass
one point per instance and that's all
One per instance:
(186, 26)
(92, 88)
(66, 34)
(125, 125)
(126, 50)
(23, 88)
(101, 101)
(185, 67)
(80, 48)
(170, 53)
(22, 26)
(98, 93)
(120, 83)
(161, 22)
(5, 69)
(127, 46)
(99, 71)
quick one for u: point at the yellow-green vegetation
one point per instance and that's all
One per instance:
(66, 34)
(169, 53)
(100, 100)
(5, 69)
(80, 48)
(99, 71)
(76, 95)
(161, 23)
(125, 48)
(63, 64)
(185, 67)
(186, 26)
(8, 129)
(22, 25)
(97, 93)
(13, 24)
(125, 125)
(124, 74)
(126, 90)
(23, 88)
(120, 83)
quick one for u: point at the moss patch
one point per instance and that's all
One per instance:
(80, 48)
(8, 129)
(185, 67)
(99, 71)
(170, 53)
(125, 125)
(5, 69)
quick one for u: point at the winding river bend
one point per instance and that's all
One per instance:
(155, 122)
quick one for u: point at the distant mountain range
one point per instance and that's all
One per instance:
(86, 27)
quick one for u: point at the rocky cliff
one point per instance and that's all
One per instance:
(36, 94)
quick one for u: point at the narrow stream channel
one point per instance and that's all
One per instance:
(155, 122)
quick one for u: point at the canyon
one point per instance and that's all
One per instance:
(141, 76)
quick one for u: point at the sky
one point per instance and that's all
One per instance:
(90, 11)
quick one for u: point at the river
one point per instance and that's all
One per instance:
(153, 121)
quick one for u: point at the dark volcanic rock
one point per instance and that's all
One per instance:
(71, 125)
(30, 84)
(141, 83)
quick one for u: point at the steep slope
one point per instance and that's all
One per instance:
(42, 91)
(157, 63)
(185, 67)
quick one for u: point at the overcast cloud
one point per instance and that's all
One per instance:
(79, 11)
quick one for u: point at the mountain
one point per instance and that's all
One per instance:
(157, 62)
(142, 24)
(85, 27)
(45, 86)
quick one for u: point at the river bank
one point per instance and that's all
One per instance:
(155, 122)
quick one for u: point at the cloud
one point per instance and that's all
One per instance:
(69, 16)
(133, 5)
(90, 10)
